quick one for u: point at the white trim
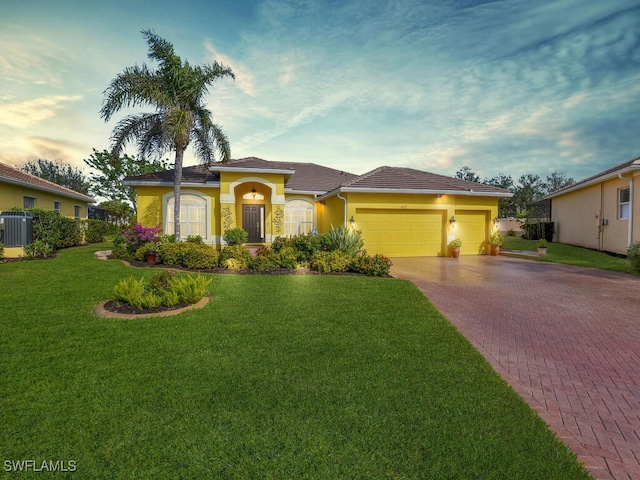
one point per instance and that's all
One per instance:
(285, 171)
(230, 198)
(154, 183)
(208, 228)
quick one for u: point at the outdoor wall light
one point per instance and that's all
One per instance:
(352, 221)
(452, 221)
(253, 192)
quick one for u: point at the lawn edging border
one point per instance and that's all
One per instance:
(104, 313)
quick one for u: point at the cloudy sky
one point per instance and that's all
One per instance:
(504, 86)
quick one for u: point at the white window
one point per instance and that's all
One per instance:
(298, 217)
(623, 203)
(76, 212)
(193, 216)
(56, 207)
(29, 202)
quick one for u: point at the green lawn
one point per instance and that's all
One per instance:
(300, 376)
(570, 255)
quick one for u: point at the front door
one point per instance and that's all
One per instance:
(253, 222)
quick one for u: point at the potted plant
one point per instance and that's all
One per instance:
(542, 247)
(496, 240)
(455, 245)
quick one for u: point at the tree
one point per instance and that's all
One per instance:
(108, 183)
(465, 173)
(530, 190)
(557, 180)
(176, 90)
(60, 173)
(118, 212)
(506, 206)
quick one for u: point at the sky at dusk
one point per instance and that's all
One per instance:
(506, 86)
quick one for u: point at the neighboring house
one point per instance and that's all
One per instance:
(22, 190)
(400, 211)
(601, 212)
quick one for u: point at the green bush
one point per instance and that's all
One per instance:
(376, 266)
(38, 249)
(96, 230)
(287, 258)
(633, 255)
(235, 236)
(170, 254)
(55, 230)
(232, 264)
(163, 288)
(239, 253)
(345, 240)
(199, 256)
(264, 263)
(308, 245)
(197, 239)
(332, 261)
(1, 251)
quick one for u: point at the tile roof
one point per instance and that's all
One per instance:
(398, 178)
(14, 175)
(310, 177)
(194, 174)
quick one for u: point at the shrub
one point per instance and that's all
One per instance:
(633, 255)
(511, 232)
(496, 239)
(199, 256)
(163, 288)
(96, 230)
(136, 236)
(332, 261)
(55, 230)
(38, 249)
(197, 239)
(287, 258)
(345, 240)
(264, 263)
(170, 254)
(377, 265)
(232, 264)
(236, 252)
(235, 236)
(308, 245)
(280, 242)
(1, 251)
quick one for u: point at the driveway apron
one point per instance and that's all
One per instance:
(567, 339)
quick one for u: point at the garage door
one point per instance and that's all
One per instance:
(402, 233)
(471, 228)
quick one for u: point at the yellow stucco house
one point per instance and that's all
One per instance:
(601, 212)
(400, 211)
(22, 190)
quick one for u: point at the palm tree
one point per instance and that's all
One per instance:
(176, 90)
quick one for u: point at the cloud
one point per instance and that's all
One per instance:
(244, 77)
(28, 113)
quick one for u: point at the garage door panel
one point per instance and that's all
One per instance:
(471, 227)
(402, 232)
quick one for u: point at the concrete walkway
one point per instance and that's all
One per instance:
(567, 339)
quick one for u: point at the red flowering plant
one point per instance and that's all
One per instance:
(130, 242)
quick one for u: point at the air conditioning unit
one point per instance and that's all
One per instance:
(16, 228)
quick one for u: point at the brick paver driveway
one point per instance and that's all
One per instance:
(567, 339)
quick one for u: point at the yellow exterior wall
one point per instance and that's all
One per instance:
(11, 195)
(428, 210)
(150, 208)
(574, 216)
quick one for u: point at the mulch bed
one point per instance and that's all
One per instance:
(127, 309)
